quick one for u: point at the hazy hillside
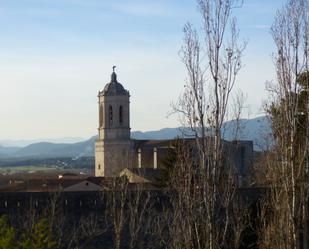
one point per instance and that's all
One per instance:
(24, 142)
(257, 129)
(85, 148)
(165, 133)
(39, 150)
(5, 151)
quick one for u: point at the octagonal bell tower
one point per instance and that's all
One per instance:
(113, 147)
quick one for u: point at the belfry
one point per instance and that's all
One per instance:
(113, 147)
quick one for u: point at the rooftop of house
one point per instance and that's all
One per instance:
(77, 183)
(142, 175)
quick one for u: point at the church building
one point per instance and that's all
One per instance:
(115, 151)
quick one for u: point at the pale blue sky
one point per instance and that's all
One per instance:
(56, 54)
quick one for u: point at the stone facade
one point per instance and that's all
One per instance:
(113, 147)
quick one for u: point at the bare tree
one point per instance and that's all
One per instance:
(209, 181)
(288, 109)
(118, 196)
(138, 208)
(238, 107)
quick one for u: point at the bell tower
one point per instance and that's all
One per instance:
(113, 147)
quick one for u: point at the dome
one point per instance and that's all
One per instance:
(114, 87)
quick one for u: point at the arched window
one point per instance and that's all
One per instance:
(110, 115)
(120, 115)
(101, 116)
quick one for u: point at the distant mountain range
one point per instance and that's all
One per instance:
(257, 129)
(23, 143)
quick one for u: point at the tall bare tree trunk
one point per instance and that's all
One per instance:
(288, 109)
(212, 68)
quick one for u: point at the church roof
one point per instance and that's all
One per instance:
(114, 87)
(142, 175)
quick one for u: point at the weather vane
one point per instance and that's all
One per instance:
(114, 68)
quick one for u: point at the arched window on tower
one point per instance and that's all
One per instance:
(110, 115)
(101, 116)
(120, 115)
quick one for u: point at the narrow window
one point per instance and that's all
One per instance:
(99, 167)
(110, 115)
(101, 116)
(120, 115)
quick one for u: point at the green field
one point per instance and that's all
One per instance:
(27, 168)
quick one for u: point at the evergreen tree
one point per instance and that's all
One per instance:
(7, 234)
(40, 237)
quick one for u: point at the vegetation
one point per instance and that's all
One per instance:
(205, 185)
(284, 214)
(7, 234)
(39, 237)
